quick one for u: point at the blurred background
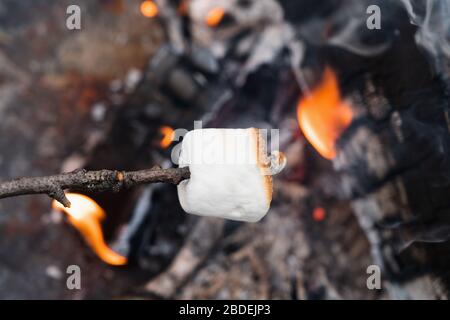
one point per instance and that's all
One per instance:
(358, 89)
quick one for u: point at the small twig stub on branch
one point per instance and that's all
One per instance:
(90, 181)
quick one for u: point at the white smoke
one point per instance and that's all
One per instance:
(353, 33)
(433, 19)
(349, 40)
(416, 10)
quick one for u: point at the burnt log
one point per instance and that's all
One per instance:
(392, 165)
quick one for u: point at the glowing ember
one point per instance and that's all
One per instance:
(149, 9)
(167, 136)
(323, 116)
(85, 215)
(214, 17)
(319, 214)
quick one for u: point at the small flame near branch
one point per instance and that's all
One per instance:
(85, 215)
(167, 134)
(214, 17)
(323, 115)
(149, 9)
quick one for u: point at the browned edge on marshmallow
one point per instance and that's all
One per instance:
(263, 162)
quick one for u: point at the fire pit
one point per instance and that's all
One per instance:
(354, 92)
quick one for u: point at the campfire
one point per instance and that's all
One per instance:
(322, 129)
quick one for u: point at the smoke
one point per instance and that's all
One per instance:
(433, 19)
(349, 38)
(352, 34)
(416, 10)
(429, 232)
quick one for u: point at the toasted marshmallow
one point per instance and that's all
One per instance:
(230, 173)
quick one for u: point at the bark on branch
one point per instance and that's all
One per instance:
(90, 181)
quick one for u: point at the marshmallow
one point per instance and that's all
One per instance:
(230, 173)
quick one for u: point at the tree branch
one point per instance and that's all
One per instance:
(90, 181)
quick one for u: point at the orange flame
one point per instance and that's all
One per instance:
(149, 9)
(167, 136)
(85, 215)
(214, 17)
(323, 115)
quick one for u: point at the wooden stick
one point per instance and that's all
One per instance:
(90, 181)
